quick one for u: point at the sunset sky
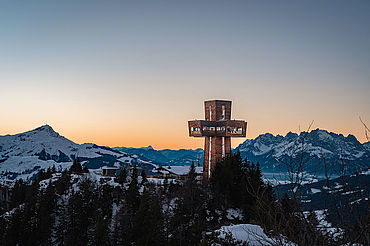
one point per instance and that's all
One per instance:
(132, 73)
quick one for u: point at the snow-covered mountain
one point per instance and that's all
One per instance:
(23, 155)
(272, 152)
(166, 156)
(315, 147)
(367, 145)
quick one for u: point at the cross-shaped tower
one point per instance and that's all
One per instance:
(217, 128)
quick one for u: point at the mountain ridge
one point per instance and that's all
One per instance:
(22, 155)
(272, 150)
(316, 146)
(40, 148)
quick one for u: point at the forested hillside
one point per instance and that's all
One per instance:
(78, 208)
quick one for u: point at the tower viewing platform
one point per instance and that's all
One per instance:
(217, 128)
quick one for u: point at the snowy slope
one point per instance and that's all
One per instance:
(346, 193)
(22, 155)
(251, 234)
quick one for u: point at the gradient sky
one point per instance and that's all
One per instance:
(132, 73)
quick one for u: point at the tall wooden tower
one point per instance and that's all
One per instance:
(217, 128)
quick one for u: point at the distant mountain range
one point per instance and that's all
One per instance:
(315, 149)
(166, 156)
(23, 155)
(274, 152)
(367, 146)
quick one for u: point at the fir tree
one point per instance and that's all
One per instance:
(18, 193)
(62, 222)
(85, 169)
(189, 220)
(122, 176)
(123, 225)
(63, 183)
(76, 166)
(47, 204)
(101, 230)
(147, 223)
(227, 181)
(76, 230)
(132, 194)
(14, 228)
(144, 179)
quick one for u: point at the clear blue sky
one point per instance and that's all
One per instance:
(131, 73)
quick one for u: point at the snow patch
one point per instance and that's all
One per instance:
(252, 234)
(314, 190)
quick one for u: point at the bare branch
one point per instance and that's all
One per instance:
(367, 130)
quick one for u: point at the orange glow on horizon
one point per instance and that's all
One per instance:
(176, 138)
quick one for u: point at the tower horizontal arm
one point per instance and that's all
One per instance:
(223, 128)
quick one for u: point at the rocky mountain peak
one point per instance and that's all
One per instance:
(269, 150)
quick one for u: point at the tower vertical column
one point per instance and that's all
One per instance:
(227, 146)
(210, 157)
(206, 157)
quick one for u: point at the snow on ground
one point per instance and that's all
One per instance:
(22, 164)
(160, 181)
(44, 183)
(234, 214)
(366, 172)
(314, 191)
(324, 226)
(251, 234)
(181, 170)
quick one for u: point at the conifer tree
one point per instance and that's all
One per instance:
(188, 222)
(123, 225)
(227, 181)
(144, 179)
(18, 193)
(122, 176)
(62, 222)
(29, 219)
(76, 166)
(63, 183)
(85, 169)
(14, 228)
(132, 194)
(46, 212)
(3, 229)
(73, 233)
(101, 230)
(147, 223)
